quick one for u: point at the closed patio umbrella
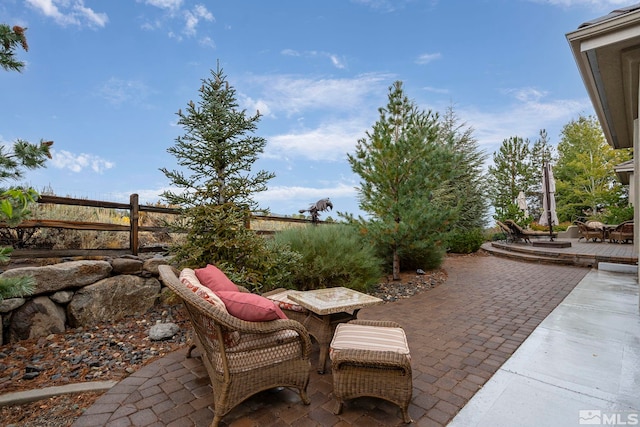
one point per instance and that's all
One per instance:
(549, 216)
(521, 201)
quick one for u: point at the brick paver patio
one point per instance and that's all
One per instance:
(459, 334)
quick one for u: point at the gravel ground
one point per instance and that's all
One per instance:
(112, 351)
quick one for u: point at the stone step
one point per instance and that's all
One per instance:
(522, 256)
(545, 255)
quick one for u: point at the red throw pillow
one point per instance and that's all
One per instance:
(213, 278)
(250, 307)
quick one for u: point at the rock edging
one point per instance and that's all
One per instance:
(80, 293)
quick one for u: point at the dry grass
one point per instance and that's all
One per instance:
(54, 238)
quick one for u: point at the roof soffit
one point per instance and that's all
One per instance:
(608, 57)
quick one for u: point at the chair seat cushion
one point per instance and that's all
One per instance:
(367, 337)
(257, 350)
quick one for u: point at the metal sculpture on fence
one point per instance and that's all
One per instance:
(317, 207)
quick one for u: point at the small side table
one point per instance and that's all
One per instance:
(328, 308)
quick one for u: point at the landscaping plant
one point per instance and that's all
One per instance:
(330, 256)
(14, 161)
(405, 171)
(215, 185)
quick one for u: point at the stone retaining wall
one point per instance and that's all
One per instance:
(80, 293)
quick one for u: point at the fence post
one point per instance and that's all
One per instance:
(134, 214)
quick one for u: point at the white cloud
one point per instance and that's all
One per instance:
(207, 42)
(292, 95)
(189, 18)
(335, 60)
(290, 52)
(79, 162)
(327, 142)
(425, 58)
(306, 194)
(69, 12)
(383, 5)
(529, 111)
(118, 91)
(165, 4)
(193, 17)
(348, 101)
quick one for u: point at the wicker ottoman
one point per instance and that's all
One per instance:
(371, 358)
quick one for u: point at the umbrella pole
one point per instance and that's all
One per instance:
(548, 196)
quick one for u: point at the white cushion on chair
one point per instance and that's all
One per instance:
(190, 280)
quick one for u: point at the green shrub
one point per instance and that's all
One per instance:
(218, 235)
(426, 257)
(275, 263)
(560, 227)
(616, 215)
(495, 237)
(331, 255)
(465, 241)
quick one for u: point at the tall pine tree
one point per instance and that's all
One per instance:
(510, 173)
(216, 184)
(468, 188)
(402, 168)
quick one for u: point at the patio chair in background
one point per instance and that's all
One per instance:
(526, 235)
(589, 231)
(510, 236)
(622, 233)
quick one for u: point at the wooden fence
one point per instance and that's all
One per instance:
(134, 228)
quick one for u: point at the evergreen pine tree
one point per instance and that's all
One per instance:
(509, 174)
(14, 161)
(216, 184)
(402, 168)
(467, 190)
(10, 39)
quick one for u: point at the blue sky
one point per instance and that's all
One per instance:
(104, 80)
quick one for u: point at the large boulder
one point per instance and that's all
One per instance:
(126, 266)
(112, 299)
(39, 317)
(151, 264)
(73, 274)
(10, 304)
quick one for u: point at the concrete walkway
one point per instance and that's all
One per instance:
(581, 365)
(460, 334)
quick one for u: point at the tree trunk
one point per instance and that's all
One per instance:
(396, 265)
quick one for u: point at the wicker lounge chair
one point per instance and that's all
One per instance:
(622, 233)
(526, 235)
(510, 236)
(590, 232)
(243, 358)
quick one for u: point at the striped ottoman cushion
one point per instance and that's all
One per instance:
(366, 337)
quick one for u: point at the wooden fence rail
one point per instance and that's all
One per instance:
(134, 228)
